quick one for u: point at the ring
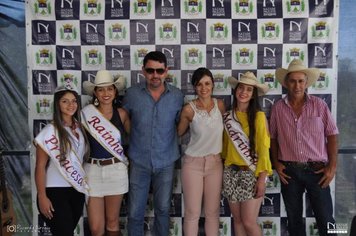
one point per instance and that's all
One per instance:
(49, 211)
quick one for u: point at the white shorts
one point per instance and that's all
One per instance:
(107, 180)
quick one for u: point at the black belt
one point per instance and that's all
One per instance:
(238, 168)
(311, 165)
(103, 162)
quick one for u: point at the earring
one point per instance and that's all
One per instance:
(96, 102)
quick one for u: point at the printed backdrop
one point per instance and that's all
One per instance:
(70, 40)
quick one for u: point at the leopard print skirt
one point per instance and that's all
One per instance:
(238, 186)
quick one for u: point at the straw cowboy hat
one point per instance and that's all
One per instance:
(250, 79)
(297, 66)
(103, 78)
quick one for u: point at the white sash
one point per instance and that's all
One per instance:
(239, 139)
(71, 169)
(104, 132)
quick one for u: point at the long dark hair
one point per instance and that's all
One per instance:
(63, 135)
(253, 108)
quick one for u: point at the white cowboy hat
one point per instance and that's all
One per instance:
(103, 78)
(250, 79)
(297, 66)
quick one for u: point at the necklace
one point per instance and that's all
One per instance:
(73, 126)
(201, 105)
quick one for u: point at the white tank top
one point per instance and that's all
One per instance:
(206, 130)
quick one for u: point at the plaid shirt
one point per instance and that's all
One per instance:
(302, 138)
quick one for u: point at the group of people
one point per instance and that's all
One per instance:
(84, 153)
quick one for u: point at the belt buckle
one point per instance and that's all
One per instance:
(98, 162)
(303, 165)
(317, 165)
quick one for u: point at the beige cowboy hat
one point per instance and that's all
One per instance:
(103, 78)
(297, 66)
(250, 79)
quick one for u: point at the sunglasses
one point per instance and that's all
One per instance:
(159, 71)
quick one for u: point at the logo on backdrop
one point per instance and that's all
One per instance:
(44, 106)
(321, 8)
(269, 9)
(139, 55)
(294, 53)
(193, 31)
(244, 31)
(244, 56)
(117, 32)
(193, 7)
(118, 9)
(218, 31)
(92, 32)
(218, 9)
(43, 81)
(269, 228)
(168, 9)
(295, 30)
(93, 57)
(68, 79)
(92, 8)
(244, 7)
(142, 7)
(337, 228)
(218, 56)
(322, 83)
(271, 205)
(43, 32)
(142, 31)
(68, 32)
(295, 7)
(44, 57)
(320, 30)
(270, 30)
(267, 102)
(269, 79)
(68, 57)
(320, 55)
(116, 57)
(269, 56)
(193, 56)
(67, 10)
(42, 8)
(220, 82)
(167, 32)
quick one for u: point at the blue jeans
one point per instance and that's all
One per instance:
(305, 179)
(162, 184)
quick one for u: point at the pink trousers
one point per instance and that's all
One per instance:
(201, 183)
